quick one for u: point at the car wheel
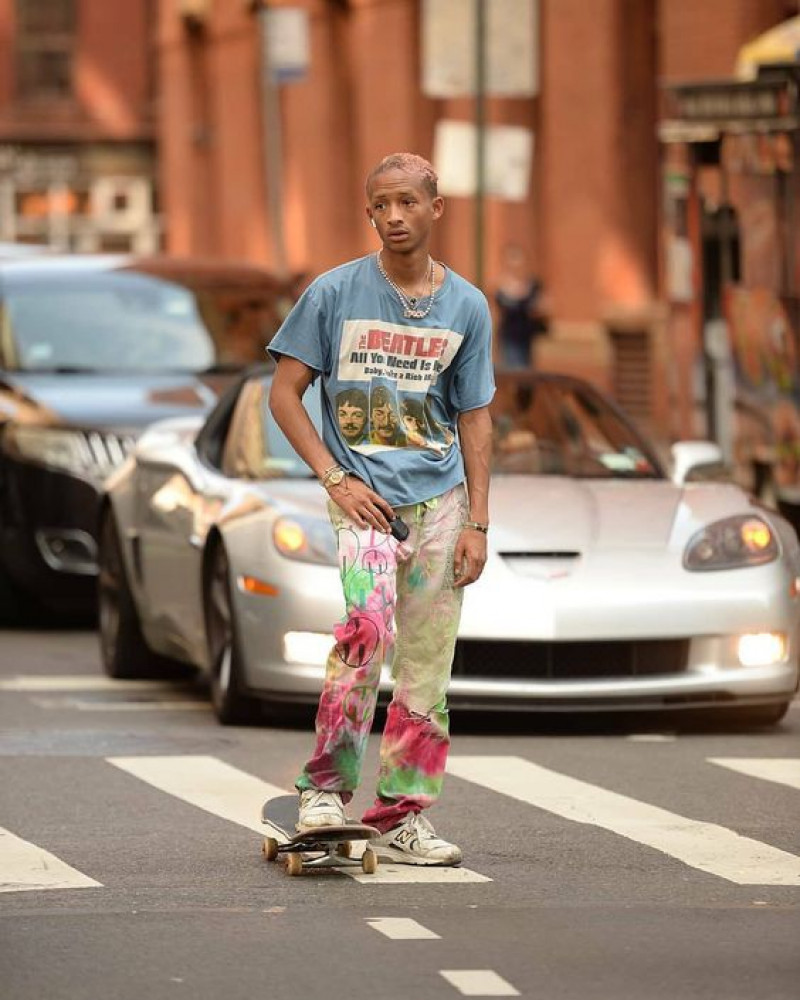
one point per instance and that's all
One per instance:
(124, 652)
(13, 610)
(231, 705)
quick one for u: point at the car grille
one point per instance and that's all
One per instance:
(103, 451)
(569, 660)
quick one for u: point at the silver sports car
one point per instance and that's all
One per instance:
(609, 585)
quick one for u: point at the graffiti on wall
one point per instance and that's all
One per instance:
(765, 357)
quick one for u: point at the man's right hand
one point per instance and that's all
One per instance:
(366, 507)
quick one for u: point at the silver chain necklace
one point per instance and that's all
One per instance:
(408, 302)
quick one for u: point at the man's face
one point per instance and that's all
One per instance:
(351, 421)
(382, 422)
(403, 210)
(411, 423)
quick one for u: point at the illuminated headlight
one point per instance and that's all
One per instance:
(730, 544)
(307, 539)
(307, 647)
(92, 455)
(762, 649)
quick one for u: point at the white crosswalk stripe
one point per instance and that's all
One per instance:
(704, 846)
(231, 794)
(33, 683)
(63, 692)
(479, 983)
(155, 705)
(783, 770)
(209, 784)
(402, 929)
(25, 867)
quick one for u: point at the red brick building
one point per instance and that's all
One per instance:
(77, 123)
(590, 219)
(271, 170)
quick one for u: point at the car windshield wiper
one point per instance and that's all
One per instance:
(613, 474)
(62, 370)
(221, 367)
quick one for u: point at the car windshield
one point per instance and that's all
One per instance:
(255, 447)
(560, 427)
(282, 457)
(118, 320)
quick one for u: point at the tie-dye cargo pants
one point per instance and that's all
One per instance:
(402, 610)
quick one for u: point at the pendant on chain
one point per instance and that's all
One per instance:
(409, 302)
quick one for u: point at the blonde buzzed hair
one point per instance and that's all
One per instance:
(410, 163)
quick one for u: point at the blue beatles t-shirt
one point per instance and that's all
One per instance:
(392, 387)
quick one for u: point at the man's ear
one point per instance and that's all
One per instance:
(371, 220)
(438, 206)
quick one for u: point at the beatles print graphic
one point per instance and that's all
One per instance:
(352, 413)
(387, 371)
(384, 419)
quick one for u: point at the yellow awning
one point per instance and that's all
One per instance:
(780, 44)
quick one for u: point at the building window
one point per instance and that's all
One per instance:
(46, 32)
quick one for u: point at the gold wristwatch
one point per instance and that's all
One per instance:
(333, 477)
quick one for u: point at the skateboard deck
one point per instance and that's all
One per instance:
(320, 847)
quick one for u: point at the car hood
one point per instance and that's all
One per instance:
(555, 514)
(124, 402)
(547, 515)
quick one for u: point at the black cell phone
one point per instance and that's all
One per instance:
(399, 528)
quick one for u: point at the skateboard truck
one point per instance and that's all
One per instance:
(330, 845)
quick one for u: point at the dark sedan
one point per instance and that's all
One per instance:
(92, 350)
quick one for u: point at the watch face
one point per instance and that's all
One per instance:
(335, 477)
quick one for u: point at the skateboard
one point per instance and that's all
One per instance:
(320, 847)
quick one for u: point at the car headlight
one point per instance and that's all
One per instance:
(91, 455)
(732, 543)
(307, 539)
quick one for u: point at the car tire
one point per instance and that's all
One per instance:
(13, 609)
(232, 706)
(124, 653)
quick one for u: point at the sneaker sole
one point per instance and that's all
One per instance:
(316, 824)
(403, 858)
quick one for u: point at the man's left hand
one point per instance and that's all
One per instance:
(470, 556)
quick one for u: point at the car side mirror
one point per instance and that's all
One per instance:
(693, 460)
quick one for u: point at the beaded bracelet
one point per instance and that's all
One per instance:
(477, 526)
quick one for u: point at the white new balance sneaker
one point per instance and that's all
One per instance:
(320, 808)
(414, 842)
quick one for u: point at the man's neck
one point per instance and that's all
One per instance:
(407, 268)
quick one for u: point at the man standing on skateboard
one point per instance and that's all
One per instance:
(401, 328)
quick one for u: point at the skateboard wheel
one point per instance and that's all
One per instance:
(345, 849)
(369, 862)
(294, 863)
(270, 848)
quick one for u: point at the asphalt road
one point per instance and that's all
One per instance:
(630, 861)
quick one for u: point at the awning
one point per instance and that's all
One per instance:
(780, 44)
